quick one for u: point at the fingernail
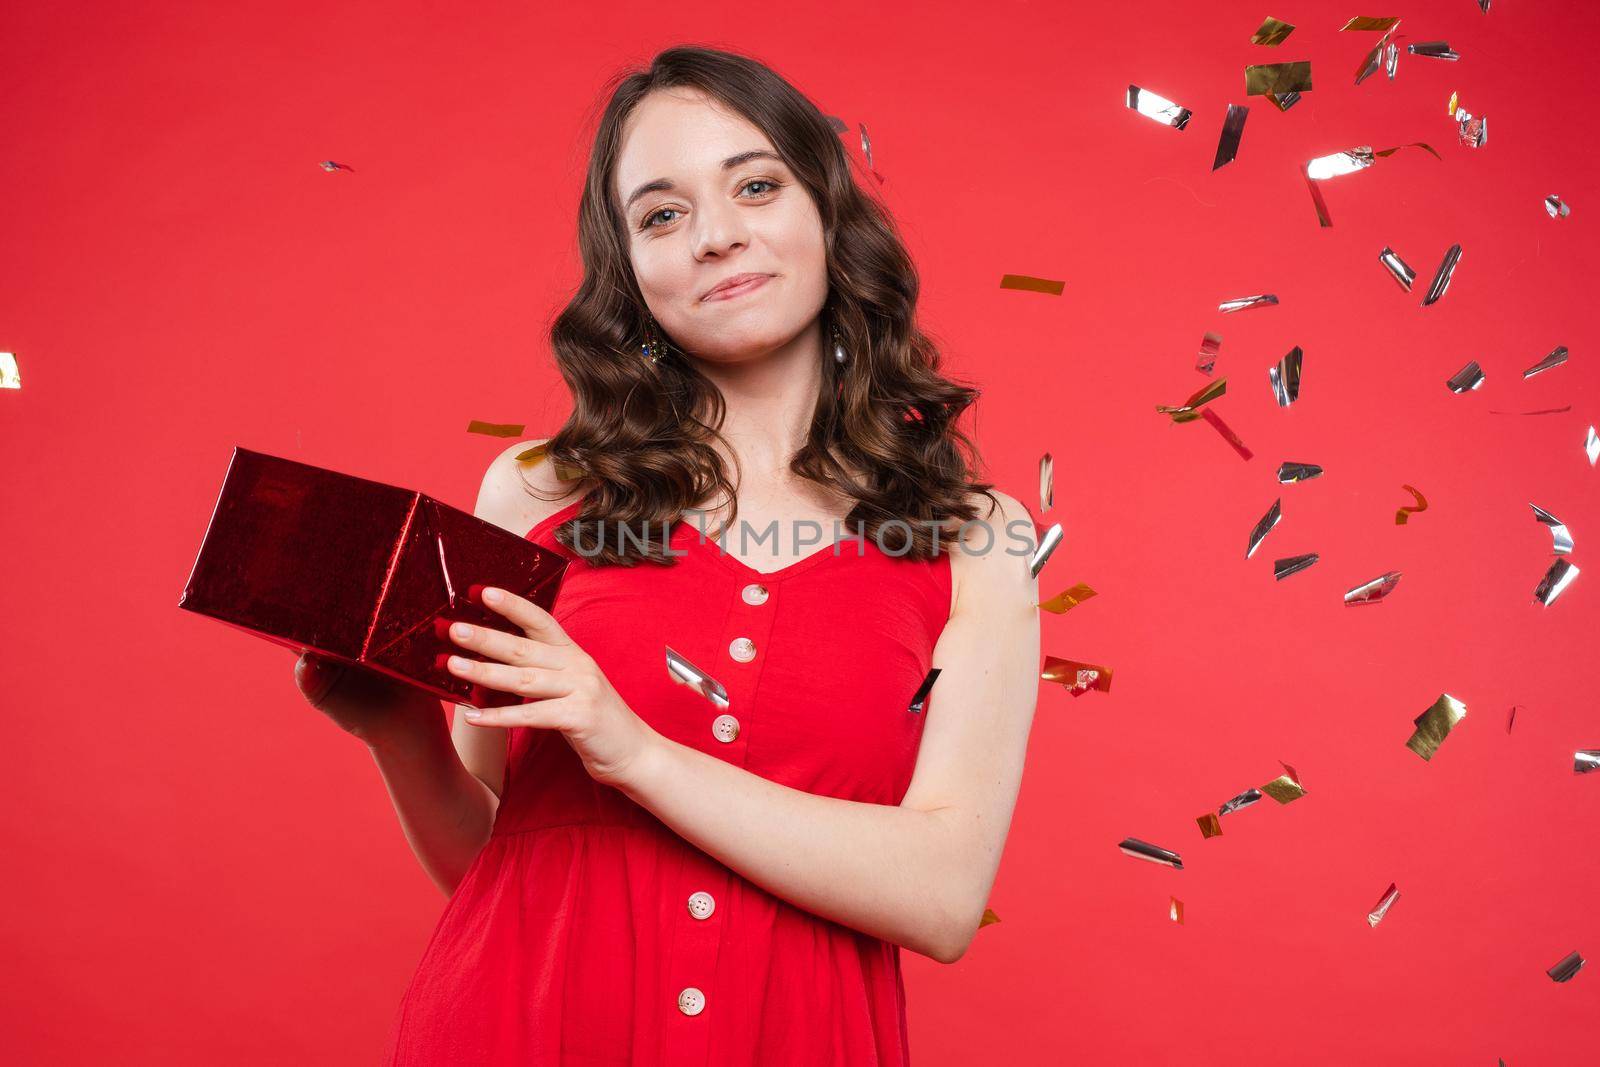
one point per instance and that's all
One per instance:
(473, 713)
(461, 629)
(492, 595)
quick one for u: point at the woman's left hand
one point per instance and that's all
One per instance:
(569, 691)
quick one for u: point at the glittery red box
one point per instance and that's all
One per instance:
(360, 571)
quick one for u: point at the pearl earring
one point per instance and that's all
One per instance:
(839, 356)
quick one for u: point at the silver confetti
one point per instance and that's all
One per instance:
(1052, 538)
(1441, 279)
(1154, 853)
(1232, 130)
(1282, 568)
(1380, 909)
(866, 145)
(1238, 803)
(1297, 472)
(1374, 591)
(1157, 107)
(1285, 377)
(1268, 521)
(1556, 357)
(1397, 267)
(1570, 965)
(1556, 207)
(1586, 761)
(1243, 302)
(1467, 378)
(685, 673)
(1558, 529)
(1591, 446)
(1391, 59)
(11, 377)
(1339, 163)
(1210, 345)
(1047, 482)
(1433, 50)
(1556, 579)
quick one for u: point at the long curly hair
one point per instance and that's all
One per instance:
(639, 436)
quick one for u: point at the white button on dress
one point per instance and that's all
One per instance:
(742, 649)
(755, 593)
(725, 728)
(691, 1001)
(701, 905)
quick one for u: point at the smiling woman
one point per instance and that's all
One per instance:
(725, 871)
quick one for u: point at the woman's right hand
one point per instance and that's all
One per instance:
(362, 702)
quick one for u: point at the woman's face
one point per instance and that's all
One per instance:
(702, 220)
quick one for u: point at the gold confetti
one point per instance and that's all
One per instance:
(989, 917)
(1271, 33)
(1405, 513)
(1210, 824)
(1370, 23)
(1277, 78)
(495, 429)
(534, 454)
(1036, 285)
(1064, 602)
(1285, 788)
(1079, 678)
(1435, 724)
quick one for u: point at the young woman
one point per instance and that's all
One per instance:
(646, 872)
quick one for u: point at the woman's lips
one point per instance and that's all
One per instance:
(739, 290)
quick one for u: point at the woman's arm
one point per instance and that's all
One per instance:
(919, 874)
(445, 782)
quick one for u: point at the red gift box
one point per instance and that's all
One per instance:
(360, 571)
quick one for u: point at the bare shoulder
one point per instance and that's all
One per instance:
(518, 494)
(992, 559)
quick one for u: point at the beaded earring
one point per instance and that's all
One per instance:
(653, 348)
(839, 355)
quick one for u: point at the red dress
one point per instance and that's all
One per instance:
(587, 932)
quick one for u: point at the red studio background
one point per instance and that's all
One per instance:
(201, 869)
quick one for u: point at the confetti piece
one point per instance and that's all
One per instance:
(495, 429)
(1441, 279)
(1558, 531)
(1031, 284)
(1397, 268)
(920, 698)
(1271, 33)
(1555, 580)
(1175, 910)
(1154, 853)
(1402, 516)
(1557, 356)
(1232, 131)
(1591, 446)
(1064, 602)
(1511, 717)
(1471, 131)
(1380, 909)
(1047, 482)
(1435, 724)
(1367, 22)
(1158, 108)
(1244, 303)
(1210, 825)
(1286, 787)
(330, 166)
(1285, 377)
(1261, 78)
(683, 672)
(10, 375)
(1323, 218)
(1433, 50)
(534, 454)
(1466, 379)
(1079, 678)
(1264, 526)
(1541, 411)
(1227, 433)
(1374, 591)
(1298, 472)
(1210, 345)
(1240, 802)
(1569, 965)
(1186, 411)
(1047, 545)
(1282, 568)
(1284, 101)
(1391, 59)
(1556, 207)
(1374, 59)
(989, 918)
(1586, 761)
(1349, 161)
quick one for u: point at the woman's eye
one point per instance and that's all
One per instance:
(649, 220)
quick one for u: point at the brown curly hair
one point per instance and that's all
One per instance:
(640, 430)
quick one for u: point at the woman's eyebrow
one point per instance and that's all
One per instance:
(663, 184)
